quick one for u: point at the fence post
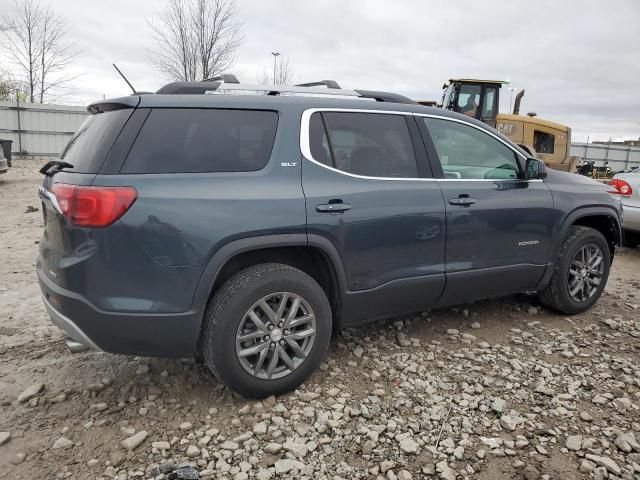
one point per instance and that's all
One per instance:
(19, 127)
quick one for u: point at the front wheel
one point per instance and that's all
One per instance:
(267, 329)
(580, 272)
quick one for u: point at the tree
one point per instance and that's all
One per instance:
(284, 74)
(196, 39)
(12, 89)
(36, 41)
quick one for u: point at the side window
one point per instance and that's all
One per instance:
(368, 144)
(469, 99)
(319, 143)
(488, 107)
(543, 142)
(175, 140)
(466, 152)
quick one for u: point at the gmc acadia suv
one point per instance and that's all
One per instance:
(244, 224)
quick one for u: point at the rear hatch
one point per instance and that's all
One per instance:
(64, 243)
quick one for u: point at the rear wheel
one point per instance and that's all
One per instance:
(580, 272)
(267, 329)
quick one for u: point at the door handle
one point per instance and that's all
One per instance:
(333, 207)
(462, 201)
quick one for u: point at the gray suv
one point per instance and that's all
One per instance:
(243, 224)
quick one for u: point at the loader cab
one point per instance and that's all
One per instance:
(479, 99)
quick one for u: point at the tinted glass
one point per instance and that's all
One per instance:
(318, 141)
(369, 144)
(543, 142)
(203, 140)
(89, 146)
(467, 152)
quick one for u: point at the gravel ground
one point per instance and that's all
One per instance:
(496, 389)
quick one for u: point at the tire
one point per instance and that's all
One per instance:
(227, 317)
(630, 239)
(556, 294)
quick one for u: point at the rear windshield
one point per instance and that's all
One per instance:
(89, 146)
(203, 140)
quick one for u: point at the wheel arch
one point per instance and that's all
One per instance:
(604, 219)
(314, 255)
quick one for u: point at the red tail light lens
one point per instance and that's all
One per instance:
(620, 187)
(96, 207)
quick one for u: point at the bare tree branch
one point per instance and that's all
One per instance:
(12, 89)
(284, 74)
(35, 38)
(196, 39)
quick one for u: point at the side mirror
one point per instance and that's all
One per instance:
(534, 168)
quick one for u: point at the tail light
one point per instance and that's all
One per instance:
(620, 187)
(96, 207)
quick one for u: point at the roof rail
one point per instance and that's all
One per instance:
(386, 97)
(225, 77)
(327, 83)
(230, 83)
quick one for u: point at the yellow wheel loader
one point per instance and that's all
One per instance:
(480, 99)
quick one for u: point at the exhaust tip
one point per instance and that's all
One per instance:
(74, 346)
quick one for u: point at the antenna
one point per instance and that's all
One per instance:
(124, 78)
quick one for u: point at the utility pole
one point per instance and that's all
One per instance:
(275, 56)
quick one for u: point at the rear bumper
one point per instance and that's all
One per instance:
(86, 326)
(76, 340)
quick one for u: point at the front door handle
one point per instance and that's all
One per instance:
(462, 201)
(333, 207)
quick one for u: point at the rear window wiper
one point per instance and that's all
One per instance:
(53, 167)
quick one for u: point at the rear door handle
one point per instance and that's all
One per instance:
(333, 207)
(462, 201)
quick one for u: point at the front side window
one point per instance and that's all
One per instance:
(367, 144)
(543, 142)
(188, 140)
(469, 153)
(469, 99)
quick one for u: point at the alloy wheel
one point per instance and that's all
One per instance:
(275, 335)
(585, 272)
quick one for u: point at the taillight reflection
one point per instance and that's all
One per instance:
(620, 187)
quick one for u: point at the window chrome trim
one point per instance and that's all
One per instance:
(305, 145)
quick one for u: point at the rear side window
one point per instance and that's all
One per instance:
(368, 144)
(203, 140)
(89, 146)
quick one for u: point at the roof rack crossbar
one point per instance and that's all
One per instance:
(327, 83)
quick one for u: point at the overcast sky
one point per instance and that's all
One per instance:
(578, 61)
